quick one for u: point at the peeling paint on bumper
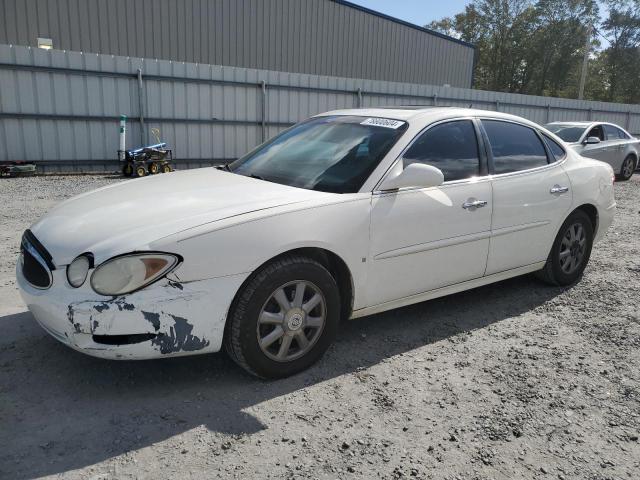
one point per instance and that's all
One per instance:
(180, 318)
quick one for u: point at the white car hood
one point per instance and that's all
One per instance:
(128, 216)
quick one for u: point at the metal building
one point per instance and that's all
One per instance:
(320, 37)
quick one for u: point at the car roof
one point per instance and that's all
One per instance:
(584, 124)
(576, 124)
(426, 114)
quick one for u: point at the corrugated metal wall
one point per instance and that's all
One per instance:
(321, 37)
(61, 108)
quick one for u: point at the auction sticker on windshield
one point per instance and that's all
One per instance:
(382, 122)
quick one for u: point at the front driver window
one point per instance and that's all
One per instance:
(597, 131)
(452, 147)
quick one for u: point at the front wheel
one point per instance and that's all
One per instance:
(570, 252)
(628, 166)
(284, 318)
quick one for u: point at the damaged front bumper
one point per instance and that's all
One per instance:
(168, 318)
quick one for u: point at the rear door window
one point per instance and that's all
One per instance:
(621, 134)
(452, 147)
(611, 132)
(514, 147)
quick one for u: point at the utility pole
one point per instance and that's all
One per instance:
(585, 62)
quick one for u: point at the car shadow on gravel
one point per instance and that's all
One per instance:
(61, 410)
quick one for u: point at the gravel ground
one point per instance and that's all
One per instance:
(513, 380)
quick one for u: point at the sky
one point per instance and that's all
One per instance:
(419, 12)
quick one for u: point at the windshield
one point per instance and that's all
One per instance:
(330, 154)
(568, 133)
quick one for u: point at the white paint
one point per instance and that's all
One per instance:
(418, 243)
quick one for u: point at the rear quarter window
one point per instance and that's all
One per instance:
(557, 150)
(622, 135)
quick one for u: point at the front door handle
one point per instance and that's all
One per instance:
(473, 204)
(558, 189)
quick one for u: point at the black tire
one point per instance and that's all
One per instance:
(127, 170)
(140, 171)
(153, 168)
(165, 168)
(241, 331)
(626, 170)
(553, 273)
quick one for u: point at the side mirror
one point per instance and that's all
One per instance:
(592, 140)
(415, 175)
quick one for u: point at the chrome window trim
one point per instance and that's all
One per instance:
(549, 166)
(453, 183)
(376, 189)
(35, 254)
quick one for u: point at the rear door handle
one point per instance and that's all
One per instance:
(558, 189)
(474, 204)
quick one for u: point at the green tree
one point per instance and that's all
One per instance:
(525, 46)
(556, 50)
(498, 29)
(620, 61)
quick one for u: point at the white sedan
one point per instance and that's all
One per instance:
(347, 214)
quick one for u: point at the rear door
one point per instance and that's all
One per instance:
(531, 195)
(616, 146)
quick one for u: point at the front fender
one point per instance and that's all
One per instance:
(241, 247)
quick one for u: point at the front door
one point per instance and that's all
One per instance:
(423, 239)
(531, 196)
(599, 151)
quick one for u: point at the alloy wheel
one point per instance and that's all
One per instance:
(572, 248)
(627, 168)
(291, 321)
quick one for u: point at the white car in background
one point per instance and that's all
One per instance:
(603, 141)
(347, 214)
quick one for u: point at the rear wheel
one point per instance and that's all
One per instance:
(284, 318)
(628, 166)
(153, 168)
(127, 170)
(166, 168)
(570, 252)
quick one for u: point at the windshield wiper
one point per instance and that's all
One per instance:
(224, 167)
(258, 177)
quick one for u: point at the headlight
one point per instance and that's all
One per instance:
(77, 270)
(131, 272)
